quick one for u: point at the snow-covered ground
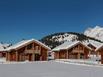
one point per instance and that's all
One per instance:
(49, 69)
(2, 60)
(80, 62)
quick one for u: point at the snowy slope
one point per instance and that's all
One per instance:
(96, 32)
(57, 39)
(65, 37)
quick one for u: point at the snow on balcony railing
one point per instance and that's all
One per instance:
(76, 51)
(88, 62)
(33, 51)
(37, 52)
(29, 51)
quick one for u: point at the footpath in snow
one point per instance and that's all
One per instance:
(80, 62)
(3, 61)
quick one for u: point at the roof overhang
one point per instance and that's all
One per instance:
(33, 40)
(73, 46)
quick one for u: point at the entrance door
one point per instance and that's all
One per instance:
(30, 57)
(37, 57)
(81, 56)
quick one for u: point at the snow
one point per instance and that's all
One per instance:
(99, 47)
(85, 62)
(24, 42)
(65, 37)
(2, 46)
(95, 57)
(96, 32)
(2, 60)
(67, 45)
(49, 69)
(94, 43)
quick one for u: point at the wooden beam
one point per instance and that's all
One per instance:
(16, 55)
(89, 53)
(58, 55)
(67, 54)
(78, 55)
(33, 54)
(33, 46)
(97, 53)
(78, 51)
(6, 56)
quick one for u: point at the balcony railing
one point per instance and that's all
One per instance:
(29, 51)
(78, 51)
(37, 52)
(33, 51)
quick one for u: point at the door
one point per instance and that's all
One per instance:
(30, 57)
(37, 57)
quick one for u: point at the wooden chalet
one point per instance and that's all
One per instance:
(94, 46)
(3, 50)
(72, 50)
(99, 50)
(31, 50)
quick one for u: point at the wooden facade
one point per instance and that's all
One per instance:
(93, 49)
(2, 54)
(100, 52)
(76, 52)
(31, 52)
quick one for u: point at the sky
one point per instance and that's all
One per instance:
(25, 19)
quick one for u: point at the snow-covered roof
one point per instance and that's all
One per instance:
(25, 42)
(99, 47)
(68, 45)
(94, 43)
(3, 46)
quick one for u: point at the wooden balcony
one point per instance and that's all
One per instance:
(29, 51)
(78, 51)
(32, 51)
(37, 52)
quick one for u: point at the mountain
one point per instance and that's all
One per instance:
(96, 32)
(56, 39)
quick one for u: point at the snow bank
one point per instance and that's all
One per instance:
(79, 62)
